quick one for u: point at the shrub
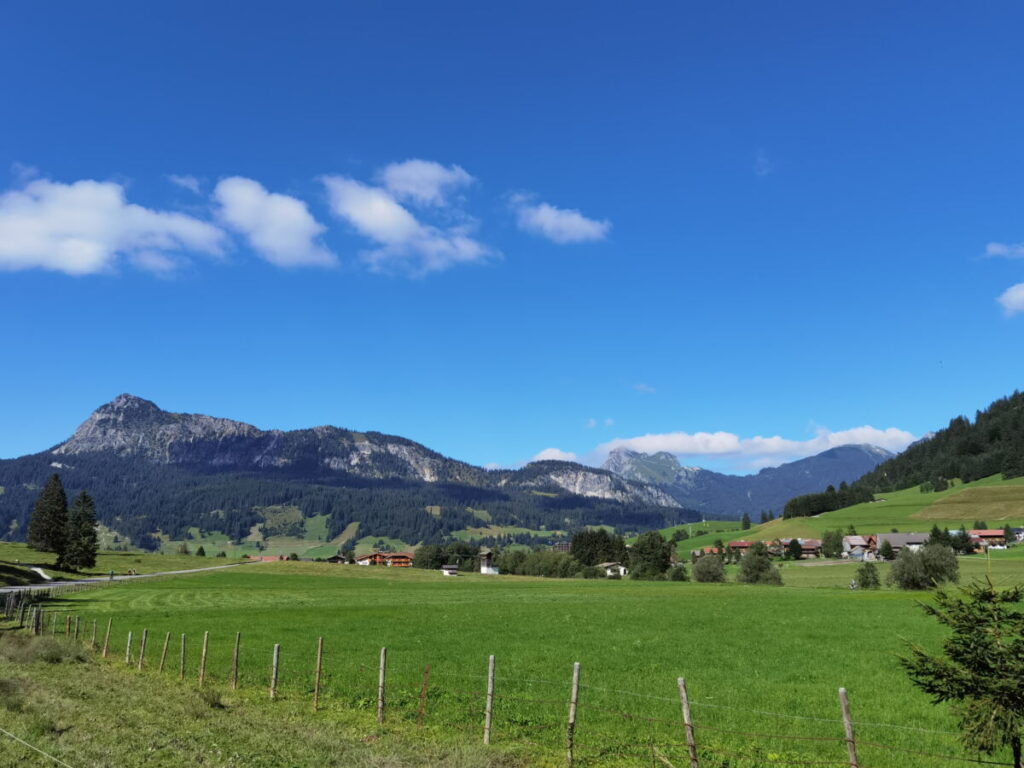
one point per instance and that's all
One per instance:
(708, 569)
(757, 567)
(867, 576)
(678, 573)
(934, 564)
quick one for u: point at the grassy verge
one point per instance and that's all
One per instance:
(87, 713)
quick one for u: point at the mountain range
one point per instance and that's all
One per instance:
(161, 475)
(722, 496)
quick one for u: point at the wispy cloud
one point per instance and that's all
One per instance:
(763, 166)
(279, 228)
(646, 389)
(191, 183)
(404, 243)
(83, 227)
(594, 423)
(1005, 250)
(560, 225)
(423, 182)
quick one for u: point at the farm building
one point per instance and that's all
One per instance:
(898, 541)
(859, 548)
(707, 551)
(561, 546)
(391, 559)
(613, 569)
(988, 537)
(740, 546)
(487, 562)
(450, 570)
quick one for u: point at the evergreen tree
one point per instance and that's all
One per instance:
(201, 552)
(82, 543)
(980, 667)
(48, 527)
(794, 551)
(745, 522)
(757, 567)
(885, 550)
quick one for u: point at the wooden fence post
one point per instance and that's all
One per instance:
(53, 624)
(851, 745)
(181, 660)
(202, 659)
(234, 662)
(128, 649)
(423, 696)
(319, 669)
(691, 742)
(570, 731)
(380, 684)
(106, 638)
(142, 649)
(273, 671)
(489, 707)
(92, 637)
(67, 625)
(163, 653)
(77, 619)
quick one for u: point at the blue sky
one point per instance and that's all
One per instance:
(742, 232)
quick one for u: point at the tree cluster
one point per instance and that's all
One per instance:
(593, 546)
(815, 503)
(933, 565)
(70, 534)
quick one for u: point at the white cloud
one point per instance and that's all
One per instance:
(1005, 250)
(560, 225)
(591, 423)
(81, 228)
(554, 454)
(278, 227)
(758, 450)
(763, 166)
(609, 422)
(191, 183)
(1012, 299)
(423, 182)
(647, 389)
(406, 244)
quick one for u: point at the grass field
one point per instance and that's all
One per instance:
(18, 557)
(745, 651)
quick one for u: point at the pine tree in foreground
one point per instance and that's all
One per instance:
(82, 543)
(48, 526)
(981, 667)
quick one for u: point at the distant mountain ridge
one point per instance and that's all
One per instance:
(724, 496)
(156, 472)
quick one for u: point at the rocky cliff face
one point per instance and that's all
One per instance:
(731, 496)
(133, 427)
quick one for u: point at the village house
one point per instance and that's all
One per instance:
(808, 547)
(913, 541)
(985, 538)
(706, 551)
(742, 547)
(562, 546)
(450, 570)
(859, 548)
(390, 559)
(613, 569)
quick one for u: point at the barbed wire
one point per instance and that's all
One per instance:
(37, 749)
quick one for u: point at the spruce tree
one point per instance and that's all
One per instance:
(48, 527)
(82, 543)
(745, 522)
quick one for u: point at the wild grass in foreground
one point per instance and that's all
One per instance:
(758, 660)
(88, 714)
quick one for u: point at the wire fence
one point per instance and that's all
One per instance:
(590, 724)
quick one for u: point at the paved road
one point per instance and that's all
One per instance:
(106, 579)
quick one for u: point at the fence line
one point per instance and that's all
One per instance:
(500, 718)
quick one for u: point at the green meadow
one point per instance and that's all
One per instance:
(758, 660)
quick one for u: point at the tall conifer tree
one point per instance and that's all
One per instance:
(82, 542)
(48, 527)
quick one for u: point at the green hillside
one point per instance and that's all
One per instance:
(997, 501)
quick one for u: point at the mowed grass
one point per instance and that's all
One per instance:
(745, 651)
(19, 556)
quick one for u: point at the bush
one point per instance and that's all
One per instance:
(678, 573)
(934, 564)
(591, 572)
(867, 576)
(709, 569)
(757, 567)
